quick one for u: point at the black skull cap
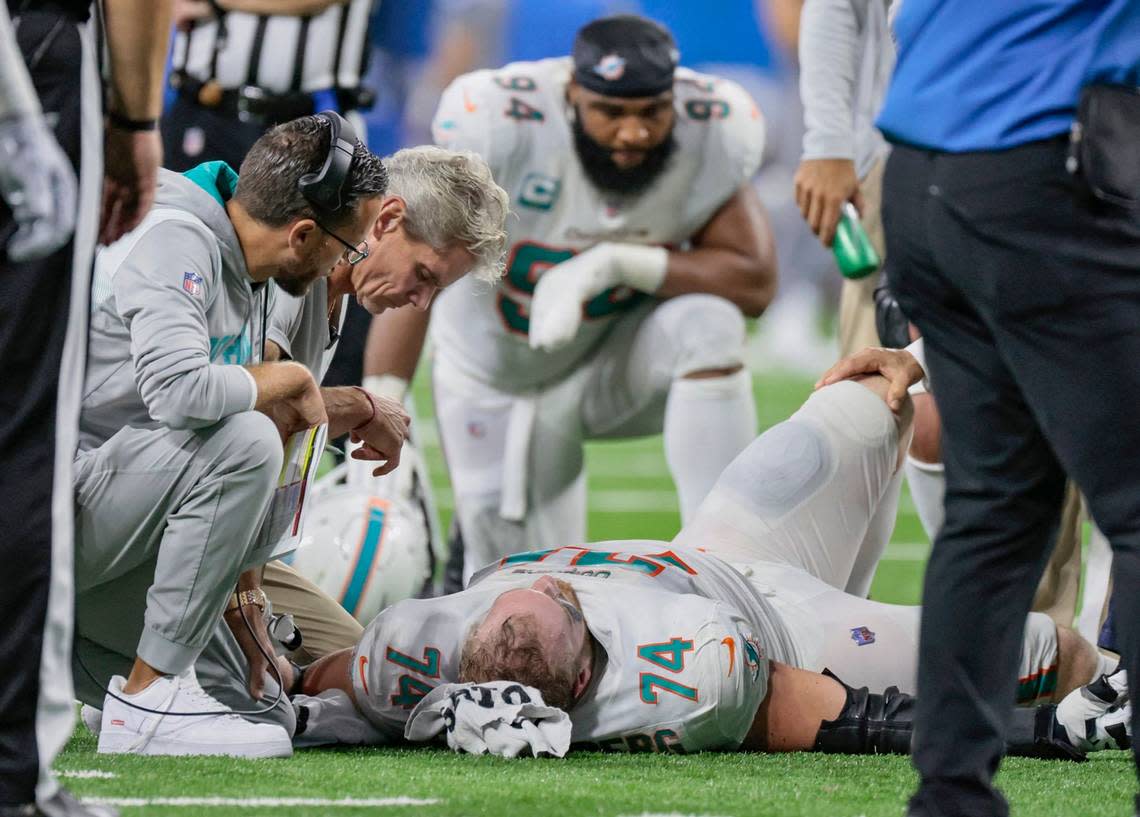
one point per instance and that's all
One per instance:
(625, 56)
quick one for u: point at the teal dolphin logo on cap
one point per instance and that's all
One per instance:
(610, 67)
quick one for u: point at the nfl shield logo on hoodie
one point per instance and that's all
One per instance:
(192, 283)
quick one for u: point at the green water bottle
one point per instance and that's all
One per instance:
(853, 249)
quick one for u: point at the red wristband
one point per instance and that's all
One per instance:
(371, 403)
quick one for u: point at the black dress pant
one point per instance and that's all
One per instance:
(1027, 293)
(34, 302)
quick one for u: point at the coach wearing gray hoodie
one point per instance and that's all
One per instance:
(181, 426)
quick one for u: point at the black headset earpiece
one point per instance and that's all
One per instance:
(323, 188)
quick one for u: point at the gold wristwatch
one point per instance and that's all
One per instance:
(245, 598)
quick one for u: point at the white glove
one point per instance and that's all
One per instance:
(556, 308)
(38, 183)
(1098, 715)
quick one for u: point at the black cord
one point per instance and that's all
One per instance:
(272, 663)
(264, 319)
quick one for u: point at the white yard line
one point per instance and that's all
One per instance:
(86, 774)
(270, 802)
(907, 552)
(632, 501)
(628, 466)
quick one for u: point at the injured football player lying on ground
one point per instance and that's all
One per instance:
(750, 630)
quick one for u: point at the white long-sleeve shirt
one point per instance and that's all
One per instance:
(846, 59)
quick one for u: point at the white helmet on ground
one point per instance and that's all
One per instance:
(368, 540)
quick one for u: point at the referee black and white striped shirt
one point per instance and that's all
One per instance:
(281, 54)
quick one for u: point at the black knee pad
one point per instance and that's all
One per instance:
(869, 724)
(884, 724)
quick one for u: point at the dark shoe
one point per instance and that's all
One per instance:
(26, 810)
(956, 798)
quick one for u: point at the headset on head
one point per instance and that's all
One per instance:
(323, 188)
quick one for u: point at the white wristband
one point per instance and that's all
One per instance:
(639, 267)
(917, 352)
(386, 385)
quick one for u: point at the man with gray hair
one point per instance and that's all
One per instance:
(443, 217)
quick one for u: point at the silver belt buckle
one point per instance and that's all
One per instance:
(247, 95)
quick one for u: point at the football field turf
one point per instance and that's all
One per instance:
(631, 495)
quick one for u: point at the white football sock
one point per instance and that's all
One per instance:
(1105, 665)
(708, 421)
(927, 482)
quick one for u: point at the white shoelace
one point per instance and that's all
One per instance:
(189, 685)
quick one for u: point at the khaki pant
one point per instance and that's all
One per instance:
(1057, 590)
(856, 302)
(325, 626)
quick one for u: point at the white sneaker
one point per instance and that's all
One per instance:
(92, 718)
(127, 730)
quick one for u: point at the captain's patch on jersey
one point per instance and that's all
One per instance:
(862, 636)
(539, 191)
(192, 283)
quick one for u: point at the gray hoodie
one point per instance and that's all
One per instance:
(174, 316)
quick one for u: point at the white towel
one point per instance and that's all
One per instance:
(499, 718)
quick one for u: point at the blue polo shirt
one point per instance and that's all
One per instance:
(994, 74)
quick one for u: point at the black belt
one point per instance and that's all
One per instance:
(247, 103)
(78, 11)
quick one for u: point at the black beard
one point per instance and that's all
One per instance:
(295, 279)
(293, 286)
(599, 167)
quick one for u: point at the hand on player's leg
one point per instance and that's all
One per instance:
(898, 366)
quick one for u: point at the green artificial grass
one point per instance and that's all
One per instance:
(727, 785)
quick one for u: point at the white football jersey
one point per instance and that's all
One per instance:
(517, 118)
(685, 643)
